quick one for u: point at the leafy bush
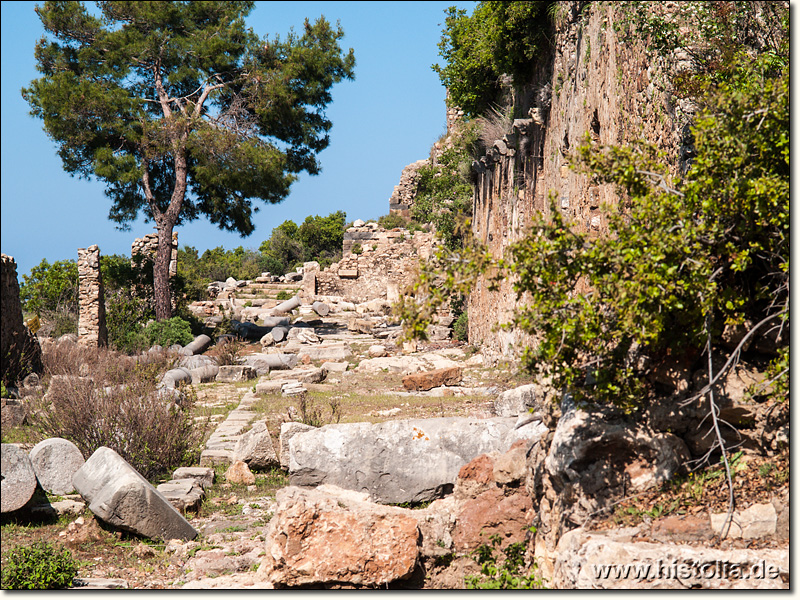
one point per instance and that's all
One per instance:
(168, 332)
(50, 288)
(356, 248)
(393, 220)
(444, 190)
(40, 566)
(499, 38)
(125, 315)
(461, 327)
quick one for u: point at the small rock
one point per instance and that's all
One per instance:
(239, 472)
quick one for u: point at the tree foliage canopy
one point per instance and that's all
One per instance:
(181, 110)
(499, 38)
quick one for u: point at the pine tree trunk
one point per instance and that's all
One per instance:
(162, 294)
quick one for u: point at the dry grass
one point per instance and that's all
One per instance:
(97, 397)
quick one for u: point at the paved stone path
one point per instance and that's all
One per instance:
(221, 443)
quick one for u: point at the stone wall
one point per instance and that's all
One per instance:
(592, 82)
(146, 247)
(91, 300)
(20, 353)
(402, 199)
(383, 264)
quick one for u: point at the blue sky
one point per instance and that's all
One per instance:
(387, 118)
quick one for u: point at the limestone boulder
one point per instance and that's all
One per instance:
(614, 560)
(289, 430)
(255, 448)
(522, 400)
(18, 478)
(411, 460)
(55, 461)
(492, 513)
(430, 379)
(120, 496)
(325, 536)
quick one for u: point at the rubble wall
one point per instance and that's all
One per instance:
(376, 263)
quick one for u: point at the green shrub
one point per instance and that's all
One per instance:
(506, 574)
(40, 566)
(283, 295)
(461, 328)
(168, 332)
(392, 221)
(356, 249)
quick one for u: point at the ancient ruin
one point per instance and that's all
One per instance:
(91, 300)
(20, 353)
(145, 248)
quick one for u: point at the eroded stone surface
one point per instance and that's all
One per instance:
(319, 537)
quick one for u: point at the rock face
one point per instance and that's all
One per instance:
(318, 537)
(588, 560)
(119, 495)
(91, 299)
(431, 379)
(20, 353)
(590, 447)
(398, 461)
(55, 461)
(18, 478)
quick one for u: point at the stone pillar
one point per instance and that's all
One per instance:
(91, 301)
(20, 353)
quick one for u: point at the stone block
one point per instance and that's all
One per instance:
(235, 373)
(55, 461)
(348, 273)
(204, 476)
(120, 496)
(289, 430)
(757, 521)
(183, 494)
